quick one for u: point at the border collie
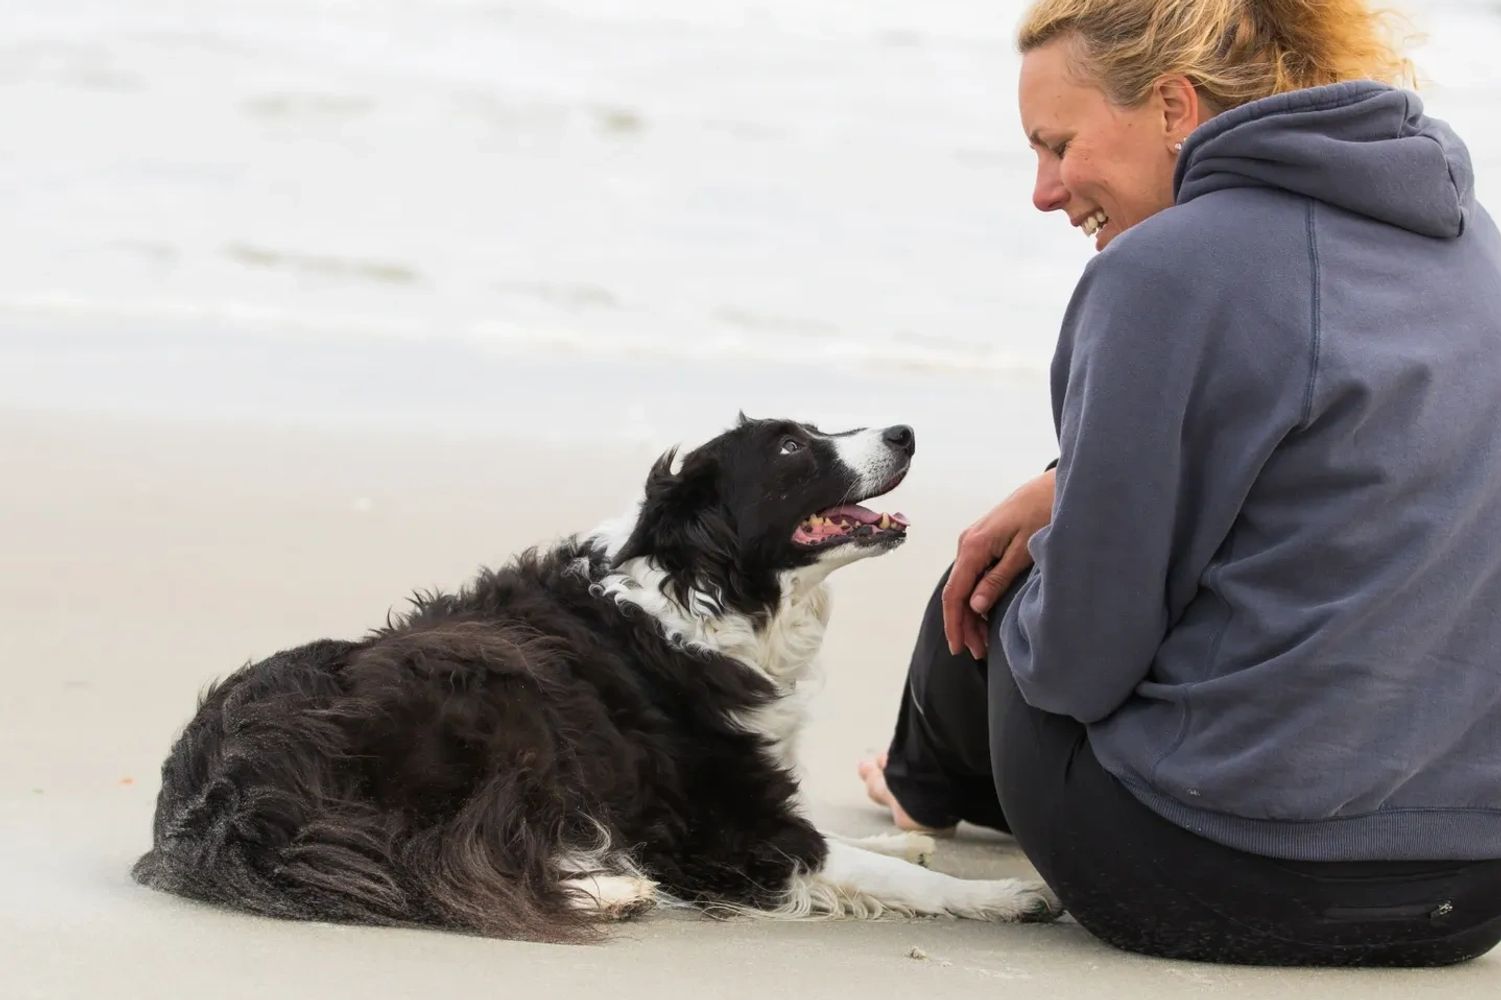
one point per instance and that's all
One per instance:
(568, 740)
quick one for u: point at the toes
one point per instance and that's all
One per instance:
(921, 848)
(914, 848)
(875, 787)
(871, 765)
(1043, 907)
(631, 908)
(1008, 901)
(612, 897)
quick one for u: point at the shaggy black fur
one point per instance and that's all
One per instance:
(436, 771)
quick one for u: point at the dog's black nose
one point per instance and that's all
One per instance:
(901, 438)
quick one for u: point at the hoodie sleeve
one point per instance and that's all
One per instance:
(1169, 391)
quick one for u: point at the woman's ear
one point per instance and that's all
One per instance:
(1183, 110)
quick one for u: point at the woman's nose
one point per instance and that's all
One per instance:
(1049, 195)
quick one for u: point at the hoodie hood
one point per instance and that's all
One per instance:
(1363, 147)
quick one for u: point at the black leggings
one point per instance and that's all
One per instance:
(967, 747)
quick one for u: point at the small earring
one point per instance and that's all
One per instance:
(1177, 147)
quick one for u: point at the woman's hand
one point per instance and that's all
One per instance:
(992, 553)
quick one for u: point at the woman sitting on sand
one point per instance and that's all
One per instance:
(1247, 705)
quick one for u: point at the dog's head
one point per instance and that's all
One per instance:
(765, 498)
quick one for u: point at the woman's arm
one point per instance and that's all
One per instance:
(1172, 387)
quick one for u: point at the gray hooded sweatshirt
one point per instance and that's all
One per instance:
(1272, 582)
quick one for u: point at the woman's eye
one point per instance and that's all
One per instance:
(791, 445)
(1060, 149)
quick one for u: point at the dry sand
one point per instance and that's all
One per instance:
(141, 560)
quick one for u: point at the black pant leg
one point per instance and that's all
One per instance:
(1143, 884)
(938, 765)
(969, 747)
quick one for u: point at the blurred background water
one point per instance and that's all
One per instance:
(570, 216)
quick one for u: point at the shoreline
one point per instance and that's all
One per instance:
(455, 389)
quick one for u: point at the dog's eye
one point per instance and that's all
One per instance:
(790, 445)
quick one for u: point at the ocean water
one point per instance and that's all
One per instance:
(747, 186)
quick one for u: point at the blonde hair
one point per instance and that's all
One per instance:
(1233, 51)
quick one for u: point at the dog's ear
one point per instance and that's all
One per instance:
(673, 500)
(742, 420)
(683, 524)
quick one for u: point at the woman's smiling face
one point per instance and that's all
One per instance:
(1106, 166)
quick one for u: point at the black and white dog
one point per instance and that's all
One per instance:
(573, 737)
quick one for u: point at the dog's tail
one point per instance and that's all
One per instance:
(255, 812)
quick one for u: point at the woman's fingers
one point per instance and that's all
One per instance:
(992, 554)
(1000, 576)
(956, 593)
(989, 590)
(975, 635)
(978, 548)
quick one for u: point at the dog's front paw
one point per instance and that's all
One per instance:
(1046, 906)
(920, 848)
(916, 848)
(1009, 901)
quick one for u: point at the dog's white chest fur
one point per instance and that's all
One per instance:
(786, 651)
(783, 648)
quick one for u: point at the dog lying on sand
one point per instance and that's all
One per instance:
(569, 739)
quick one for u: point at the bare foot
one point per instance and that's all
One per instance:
(873, 773)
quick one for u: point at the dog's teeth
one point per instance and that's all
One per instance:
(885, 521)
(815, 521)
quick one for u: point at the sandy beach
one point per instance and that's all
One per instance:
(307, 304)
(144, 558)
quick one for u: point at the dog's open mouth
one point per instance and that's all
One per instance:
(849, 523)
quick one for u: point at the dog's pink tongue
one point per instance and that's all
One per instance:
(864, 515)
(854, 512)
